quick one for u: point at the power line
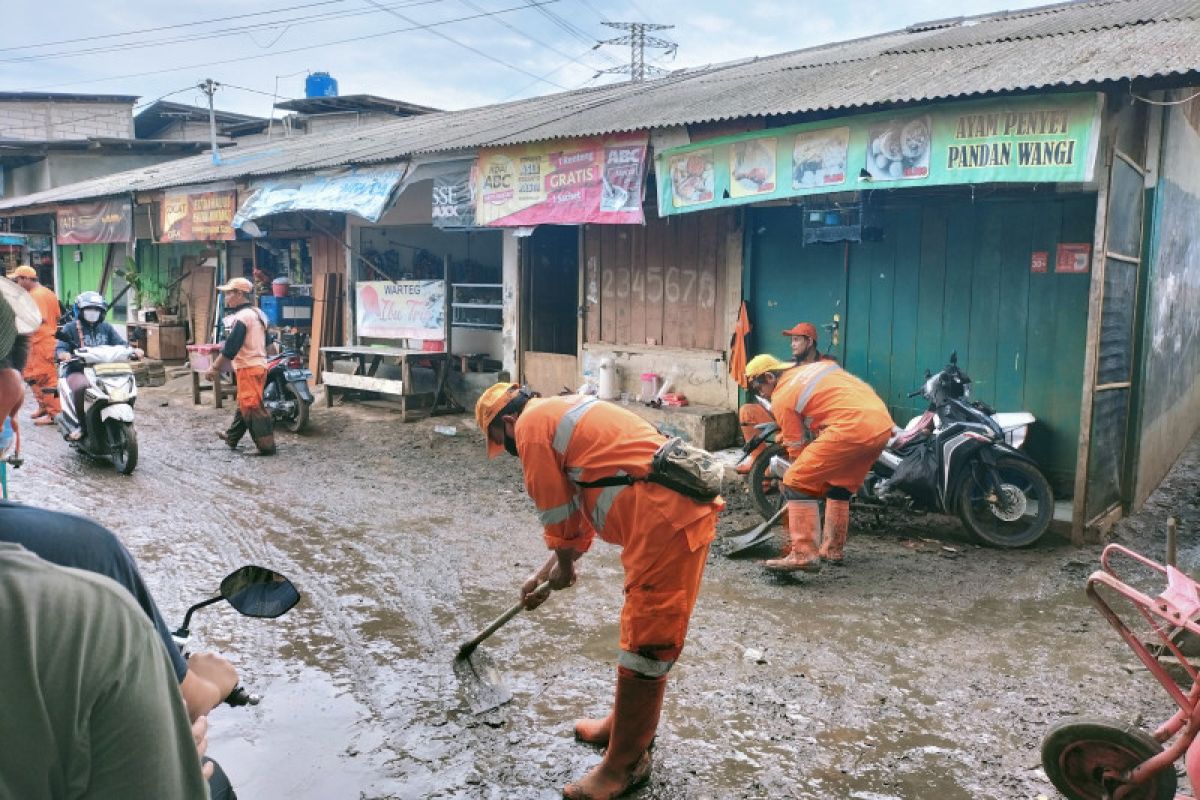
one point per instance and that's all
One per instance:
(188, 38)
(576, 59)
(573, 30)
(304, 49)
(466, 46)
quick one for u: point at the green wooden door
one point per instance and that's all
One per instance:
(789, 283)
(949, 275)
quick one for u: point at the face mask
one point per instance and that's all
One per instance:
(510, 444)
(91, 315)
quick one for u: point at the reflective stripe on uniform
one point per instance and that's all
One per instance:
(650, 667)
(553, 516)
(604, 503)
(811, 386)
(566, 425)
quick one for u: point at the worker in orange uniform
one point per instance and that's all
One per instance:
(566, 443)
(834, 426)
(246, 348)
(40, 371)
(751, 415)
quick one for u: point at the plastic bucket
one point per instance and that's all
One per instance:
(280, 286)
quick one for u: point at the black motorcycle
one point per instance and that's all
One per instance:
(955, 459)
(286, 394)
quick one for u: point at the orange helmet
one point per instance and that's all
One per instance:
(491, 403)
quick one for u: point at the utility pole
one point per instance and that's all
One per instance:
(637, 41)
(209, 87)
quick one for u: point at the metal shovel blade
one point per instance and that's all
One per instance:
(758, 535)
(481, 681)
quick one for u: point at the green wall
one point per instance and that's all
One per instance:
(83, 275)
(950, 274)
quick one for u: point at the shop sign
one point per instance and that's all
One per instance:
(1039, 261)
(1020, 139)
(362, 191)
(594, 180)
(401, 309)
(454, 196)
(103, 222)
(197, 214)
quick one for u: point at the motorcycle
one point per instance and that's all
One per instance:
(107, 405)
(253, 592)
(286, 395)
(959, 457)
(1093, 758)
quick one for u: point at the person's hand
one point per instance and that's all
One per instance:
(558, 571)
(200, 736)
(216, 670)
(210, 376)
(138, 353)
(64, 356)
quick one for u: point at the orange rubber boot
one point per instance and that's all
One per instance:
(594, 731)
(627, 763)
(803, 519)
(837, 527)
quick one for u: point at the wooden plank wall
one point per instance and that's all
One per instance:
(661, 284)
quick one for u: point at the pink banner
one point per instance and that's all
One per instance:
(595, 180)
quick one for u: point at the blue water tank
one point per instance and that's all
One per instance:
(320, 84)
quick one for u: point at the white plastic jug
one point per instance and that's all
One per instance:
(608, 379)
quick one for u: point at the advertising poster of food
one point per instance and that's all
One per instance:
(1048, 139)
(197, 215)
(899, 149)
(595, 180)
(401, 309)
(752, 167)
(692, 178)
(819, 158)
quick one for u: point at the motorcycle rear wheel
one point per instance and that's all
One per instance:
(298, 421)
(1024, 486)
(122, 440)
(764, 487)
(1076, 754)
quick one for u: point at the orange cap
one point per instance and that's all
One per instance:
(803, 329)
(237, 285)
(23, 271)
(491, 403)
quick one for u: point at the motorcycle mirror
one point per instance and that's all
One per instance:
(259, 592)
(928, 374)
(954, 358)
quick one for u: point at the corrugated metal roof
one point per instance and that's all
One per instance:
(1137, 39)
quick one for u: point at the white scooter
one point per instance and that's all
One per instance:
(107, 405)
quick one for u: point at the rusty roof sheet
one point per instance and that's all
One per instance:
(1068, 45)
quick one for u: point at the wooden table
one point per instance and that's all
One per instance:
(219, 389)
(368, 361)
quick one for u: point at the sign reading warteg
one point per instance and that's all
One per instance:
(594, 180)
(1048, 139)
(197, 214)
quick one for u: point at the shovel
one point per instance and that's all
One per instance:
(760, 534)
(476, 670)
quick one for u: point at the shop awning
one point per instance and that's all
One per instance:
(362, 191)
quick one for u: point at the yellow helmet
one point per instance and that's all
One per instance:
(764, 363)
(491, 403)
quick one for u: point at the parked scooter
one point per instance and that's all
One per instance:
(286, 395)
(107, 405)
(254, 592)
(959, 457)
(1096, 758)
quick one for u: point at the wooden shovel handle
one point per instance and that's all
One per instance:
(498, 623)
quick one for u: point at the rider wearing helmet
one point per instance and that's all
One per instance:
(88, 329)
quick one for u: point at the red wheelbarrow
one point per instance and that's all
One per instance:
(1099, 759)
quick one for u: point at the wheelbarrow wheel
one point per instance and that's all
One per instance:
(764, 487)
(1084, 757)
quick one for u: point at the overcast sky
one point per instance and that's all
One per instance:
(487, 50)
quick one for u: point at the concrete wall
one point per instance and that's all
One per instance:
(41, 120)
(183, 130)
(351, 119)
(62, 168)
(1171, 368)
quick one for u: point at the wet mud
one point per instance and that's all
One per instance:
(925, 668)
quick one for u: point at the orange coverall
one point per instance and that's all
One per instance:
(41, 372)
(833, 425)
(663, 535)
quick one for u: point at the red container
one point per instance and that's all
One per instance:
(279, 289)
(201, 356)
(434, 345)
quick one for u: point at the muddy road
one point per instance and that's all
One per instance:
(927, 668)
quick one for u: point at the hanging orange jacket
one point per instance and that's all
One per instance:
(561, 440)
(737, 347)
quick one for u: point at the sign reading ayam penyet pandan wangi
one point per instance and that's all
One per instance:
(1046, 139)
(599, 179)
(198, 214)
